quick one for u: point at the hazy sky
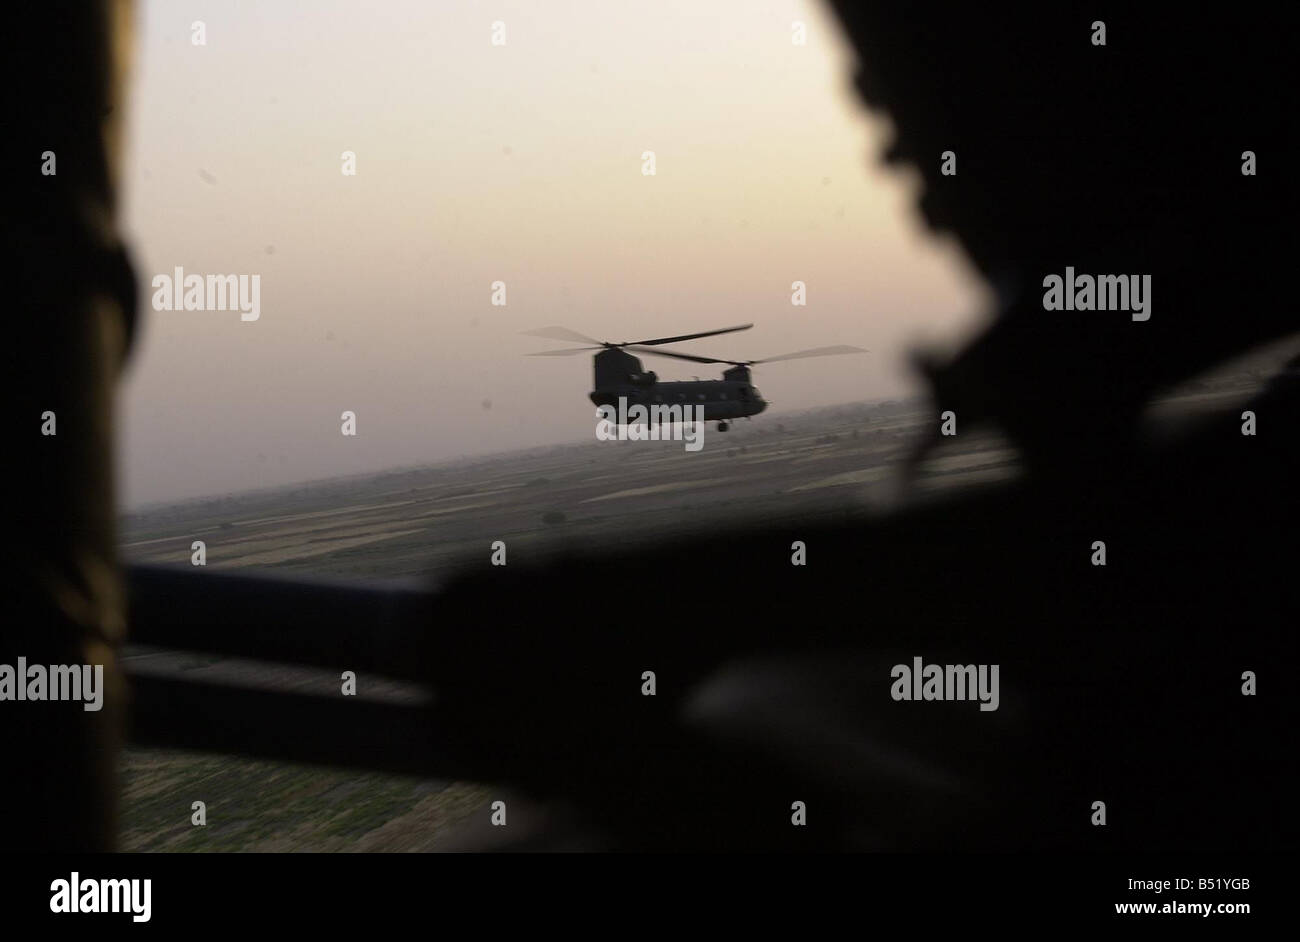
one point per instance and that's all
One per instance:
(477, 163)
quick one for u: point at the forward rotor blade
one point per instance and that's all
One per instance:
(562, 333)
(815, 352)
(677, 356)
(707, 333)
(567, 352)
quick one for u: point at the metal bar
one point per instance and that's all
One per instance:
(171, 713)
(378, 629)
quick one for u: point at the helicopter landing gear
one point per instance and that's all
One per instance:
(723, 426)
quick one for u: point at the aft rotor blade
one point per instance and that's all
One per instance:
(678, 356)
(815, 352)
(563, 333)
(707, 333)
(568, 351)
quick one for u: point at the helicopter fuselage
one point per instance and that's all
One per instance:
(624, 385)
(619, 375)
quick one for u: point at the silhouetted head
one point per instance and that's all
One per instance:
(1117, 158)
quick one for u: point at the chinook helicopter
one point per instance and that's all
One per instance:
(619, 375)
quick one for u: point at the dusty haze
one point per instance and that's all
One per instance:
(479, 163)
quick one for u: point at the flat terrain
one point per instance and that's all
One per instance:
(417, 523)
